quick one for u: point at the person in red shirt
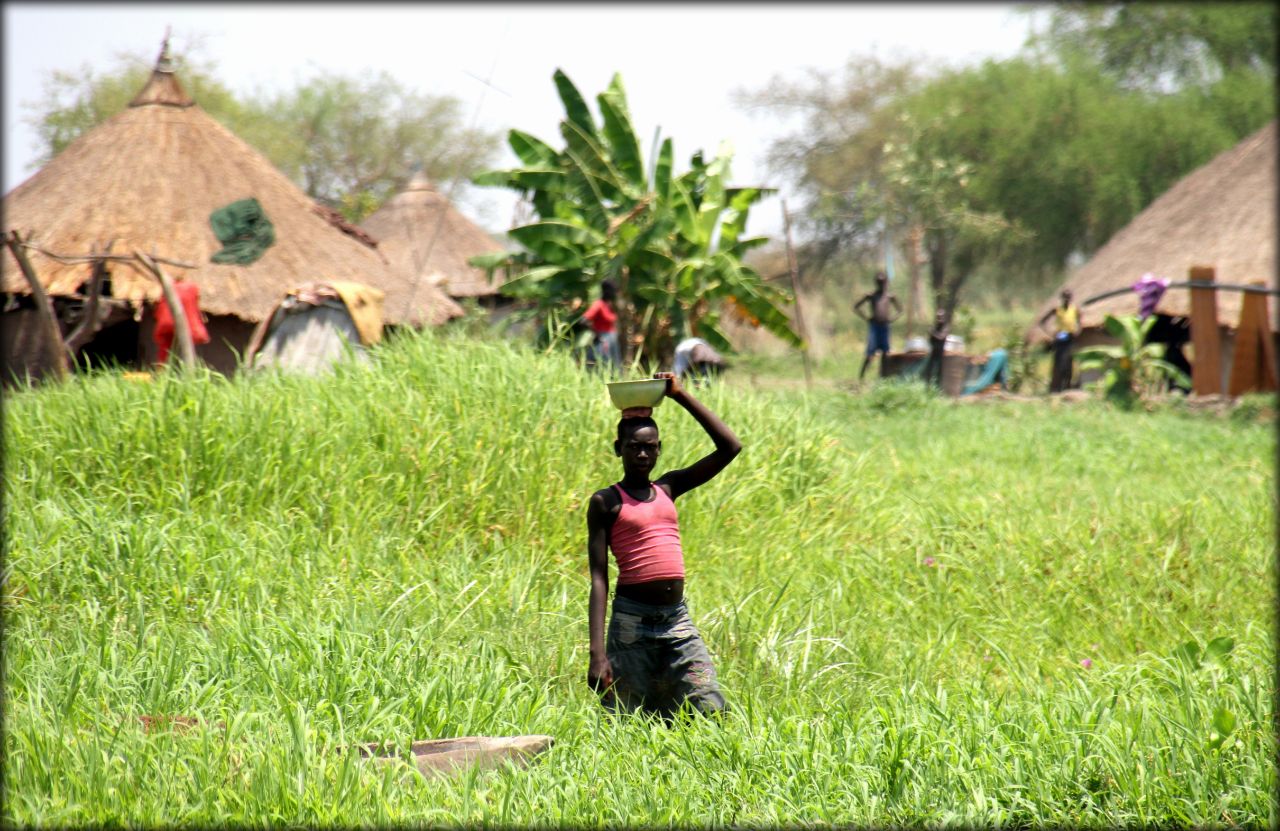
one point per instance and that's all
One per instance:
(164, 333)
(602, 316)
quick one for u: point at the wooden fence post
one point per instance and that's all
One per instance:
(793, 269)
(1206, 372)
(182, 328)
(1253, 364)
(43, 304)
(92, 321)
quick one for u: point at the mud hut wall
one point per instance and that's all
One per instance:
(28, 354)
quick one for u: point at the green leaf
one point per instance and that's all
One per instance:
(685, 214)
(523, 179)
(620, 135)
(1224, 721)
(1218, 649)
(1188, 653)
(560, 243)
(490, 261)
(530, 150)
(711, 333)
(575, 106)
(735, 219)
(662, 173)
(585, 151)
(1114, 326)
(526, 285)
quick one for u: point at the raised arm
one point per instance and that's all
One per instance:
(599, 673)
(705, 469)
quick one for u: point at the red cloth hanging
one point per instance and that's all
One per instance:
(189, 297)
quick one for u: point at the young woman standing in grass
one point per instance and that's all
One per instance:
(654, 659)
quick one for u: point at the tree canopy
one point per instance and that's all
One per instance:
(1063, 143)
(671, 242)
(349, 142)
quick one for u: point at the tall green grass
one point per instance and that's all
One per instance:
(921, 612)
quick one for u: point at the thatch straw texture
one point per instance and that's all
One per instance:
(149, 177)
(425, 238)
(1222, 215)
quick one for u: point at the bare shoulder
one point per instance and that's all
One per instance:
(605, 500)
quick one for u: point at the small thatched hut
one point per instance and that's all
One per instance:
(1222, 215)
(148, 179)
(426, 238)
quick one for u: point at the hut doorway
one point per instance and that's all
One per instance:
(1175, 333)
(113, 346)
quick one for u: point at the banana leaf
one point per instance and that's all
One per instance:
(709, 330)
(531, 150)
(620, 135)
(585, 152)
(662, 172)
(530, 284)
(575, 106)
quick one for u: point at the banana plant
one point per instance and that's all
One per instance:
(671, 243)
(1132, 367)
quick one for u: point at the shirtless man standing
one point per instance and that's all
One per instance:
(878, 321)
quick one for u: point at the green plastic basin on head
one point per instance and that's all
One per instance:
(646, 393)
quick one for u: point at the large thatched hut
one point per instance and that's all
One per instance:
(425, 238)
(148, 179)
(1222, 215)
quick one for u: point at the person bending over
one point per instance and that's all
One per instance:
(653, 659)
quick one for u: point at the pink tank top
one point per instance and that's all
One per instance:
(646, 539)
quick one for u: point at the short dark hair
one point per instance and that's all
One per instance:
(608, 289)
(627, 426)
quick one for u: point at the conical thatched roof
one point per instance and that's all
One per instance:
(425, 238)
(149, 177)
(1222, 215)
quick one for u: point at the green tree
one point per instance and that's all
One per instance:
(925, 188)
(672, 243)
(1168, 46)
(353, 142)
(75, 102)
(1053, 139)
(835, 156)
(348, 142)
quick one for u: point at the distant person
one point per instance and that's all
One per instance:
(1066, 317)
(696, 358)
(164, 332)
(653, 659)
(879, 302)
(937, 349)
(602, 316)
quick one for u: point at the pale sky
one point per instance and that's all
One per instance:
(680, 64)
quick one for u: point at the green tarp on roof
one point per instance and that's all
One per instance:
(244, 231)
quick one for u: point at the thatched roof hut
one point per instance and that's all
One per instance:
(149, 178)
(1222, 215)
(425, 238)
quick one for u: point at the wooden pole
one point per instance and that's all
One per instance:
(913, 272)
(793, 270)
(1206, 372)
(92, 321)
(1253, 365)
(43, 304)
(182, 328)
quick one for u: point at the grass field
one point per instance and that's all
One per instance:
(920, 611)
